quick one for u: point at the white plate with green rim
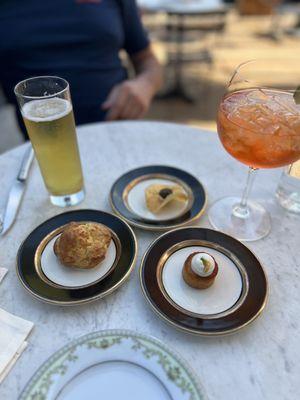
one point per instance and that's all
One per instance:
(114, 365)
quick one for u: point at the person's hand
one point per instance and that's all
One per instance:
(129, 100)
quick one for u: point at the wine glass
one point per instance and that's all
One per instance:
(259, 125)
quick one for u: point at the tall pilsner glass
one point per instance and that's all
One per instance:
(46, 107)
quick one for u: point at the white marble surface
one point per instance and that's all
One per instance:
(260, 362)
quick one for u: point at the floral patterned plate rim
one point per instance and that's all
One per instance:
(56, 378)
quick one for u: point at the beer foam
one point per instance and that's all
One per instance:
(46, 110)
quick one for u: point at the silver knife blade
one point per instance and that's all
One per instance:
(13, 204)
(16, 192)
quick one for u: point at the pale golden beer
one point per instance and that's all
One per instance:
(51, 128)
(46, 106)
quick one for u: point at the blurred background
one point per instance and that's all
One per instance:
(199, 43)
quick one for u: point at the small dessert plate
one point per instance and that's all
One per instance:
(53, 272)
(114, 365)
(237, 296)
(127, 198)
(45, 278)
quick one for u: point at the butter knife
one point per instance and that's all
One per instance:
(16, 192)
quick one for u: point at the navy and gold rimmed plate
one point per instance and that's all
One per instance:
(127, 198)
(237, 296)
(46, 279)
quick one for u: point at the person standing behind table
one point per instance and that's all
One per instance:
(80, 40)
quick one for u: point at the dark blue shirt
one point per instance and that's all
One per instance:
(77, 40)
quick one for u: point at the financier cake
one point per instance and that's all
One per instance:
(200, 270)
(82, 245)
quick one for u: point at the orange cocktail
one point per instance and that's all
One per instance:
(260, 127)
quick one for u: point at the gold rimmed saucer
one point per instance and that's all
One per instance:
(236, 298)
(33, 279)
(90, 276)
(139, 185)
(127, 198)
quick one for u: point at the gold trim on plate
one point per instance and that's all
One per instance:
(161, 227)
(203, 243)
(167, 177)
(56, 232)
(192, 331)
(91, 299)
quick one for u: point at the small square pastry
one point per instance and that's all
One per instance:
(200, 270)
(159, 196)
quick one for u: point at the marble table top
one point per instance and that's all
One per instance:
(260, 362)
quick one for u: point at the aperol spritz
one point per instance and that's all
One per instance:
(259, 125)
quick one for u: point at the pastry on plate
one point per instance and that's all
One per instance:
(82, 245)
(200, 270)
(159, 196)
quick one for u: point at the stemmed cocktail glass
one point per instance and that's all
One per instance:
(259, 125)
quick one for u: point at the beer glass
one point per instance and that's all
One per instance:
(46, 107)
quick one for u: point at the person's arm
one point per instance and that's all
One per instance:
(131, 99)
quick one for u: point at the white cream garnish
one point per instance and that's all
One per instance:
(202, 264)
